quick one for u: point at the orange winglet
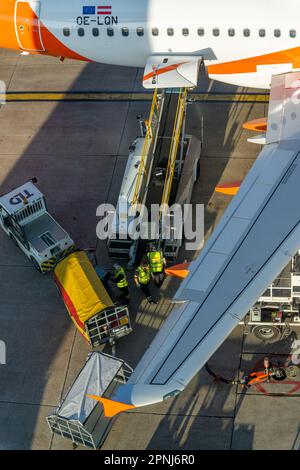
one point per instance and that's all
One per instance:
(229, 188)
(111, 408)
(257, 125)
(179, 270)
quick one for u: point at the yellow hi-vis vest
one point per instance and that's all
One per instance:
(143, 274)
(156, 261)
(123, 282)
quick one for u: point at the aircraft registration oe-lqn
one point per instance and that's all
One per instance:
(250, 45)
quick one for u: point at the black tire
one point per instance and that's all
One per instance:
(267, 334)
(292, 372)
(36, 264)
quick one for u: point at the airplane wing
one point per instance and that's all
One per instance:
(171, 71)
(256, 238)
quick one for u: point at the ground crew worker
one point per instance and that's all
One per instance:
(120, 278)
(157, 263)
(142, 279)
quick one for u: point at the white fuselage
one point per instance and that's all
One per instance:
(194, 24)
(240, 43)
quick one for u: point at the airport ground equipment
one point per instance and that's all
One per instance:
(90, 307)
(277, 311)
(80, 418)
(270, 372)
(25, 218)
(163, 172)
(135, 182)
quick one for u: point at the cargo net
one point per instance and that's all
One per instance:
(108, 326)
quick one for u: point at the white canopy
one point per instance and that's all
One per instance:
(94, 378)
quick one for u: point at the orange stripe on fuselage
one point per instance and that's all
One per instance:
(156, 72)
(288, 56)
(8, 38)
(56, 48)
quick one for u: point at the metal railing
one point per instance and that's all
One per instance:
(150, 124)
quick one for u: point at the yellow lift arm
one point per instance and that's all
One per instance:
(150, 126)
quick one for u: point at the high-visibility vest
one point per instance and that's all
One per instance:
(156, 261)
(144, 275)
(123, 282)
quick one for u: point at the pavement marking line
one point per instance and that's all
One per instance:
(127, 96)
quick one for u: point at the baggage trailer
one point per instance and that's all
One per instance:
(79, 417)
(89, 305)
(25, 218)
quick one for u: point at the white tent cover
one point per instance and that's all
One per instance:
(94, 378)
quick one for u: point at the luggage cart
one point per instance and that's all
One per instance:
(89, 305)
(80, 418)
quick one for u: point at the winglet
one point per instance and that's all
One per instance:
(111, 408)
(229, 188)
(179, 270)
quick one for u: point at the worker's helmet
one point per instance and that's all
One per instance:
(117, 266)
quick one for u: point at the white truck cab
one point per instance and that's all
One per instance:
(25, 218)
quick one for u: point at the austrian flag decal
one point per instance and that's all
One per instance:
(97, 15)
(99, 10)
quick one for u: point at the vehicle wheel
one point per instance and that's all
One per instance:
(36, 264)
(268, 334)
(292, 372)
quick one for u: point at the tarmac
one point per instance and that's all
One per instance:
(78, 149)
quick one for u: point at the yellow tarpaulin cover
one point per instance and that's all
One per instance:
(82, 287)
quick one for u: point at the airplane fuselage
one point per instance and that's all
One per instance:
(242, 44)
